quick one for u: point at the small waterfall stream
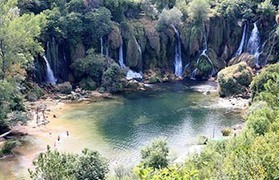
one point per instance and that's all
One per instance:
(50, 78)
(121, 59)
(132, 74)
(203, 54)
(177, 56)
(253, 46)
(241, 45)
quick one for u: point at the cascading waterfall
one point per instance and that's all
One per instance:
(139, 49)
(178, 56)
(242, 42)
(50, 75)
(203, 54)
(121, 59)
(253, 45)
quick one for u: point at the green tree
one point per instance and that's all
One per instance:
(266, 82)
(92, 66)
(18, 44)
(53, 165)
(155, 156)
(169, 18)
(112, 78)
(91, 165)
(198, 12)
(97, 24)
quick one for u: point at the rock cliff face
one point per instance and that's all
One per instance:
(147, 48)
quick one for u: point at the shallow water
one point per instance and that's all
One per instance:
(120, 127)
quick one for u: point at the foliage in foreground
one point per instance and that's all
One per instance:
(252, 155)
(53, 165)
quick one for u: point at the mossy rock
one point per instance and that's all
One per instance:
(217, 62)
(153, 38)
(115, 38)
(64, 88)
(234, 80)
(133, 56)
(245, 57)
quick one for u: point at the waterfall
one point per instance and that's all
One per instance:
(132, 74)
(138, 46)
(50, 76)
(140, 52)
(253, 45)
(241, 45)
(121, 60)
(178, 56)
(102, 45)
(203, 54)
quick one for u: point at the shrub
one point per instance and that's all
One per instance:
(112, 78)
(91, 165)
(270, 73)
(168, 18)
(88, 84)
(155, 156)
(9, 146)
(198, 12)
(56, 165)
(92, 66)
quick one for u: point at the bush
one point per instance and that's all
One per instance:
(56, 165)
(169, 18)
(155, 156)
(8, 147)
(92, 66)
(91, 165)
(198, 12)
(88, 84)
(271, 74)
(266, 9)
(112, 78)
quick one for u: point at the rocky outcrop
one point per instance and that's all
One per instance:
(245, 57)
(115, 38)
(234, 80)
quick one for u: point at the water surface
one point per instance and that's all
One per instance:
(120, 127)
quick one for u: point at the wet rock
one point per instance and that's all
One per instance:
(245, 57)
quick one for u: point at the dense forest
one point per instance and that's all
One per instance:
(55, 45)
